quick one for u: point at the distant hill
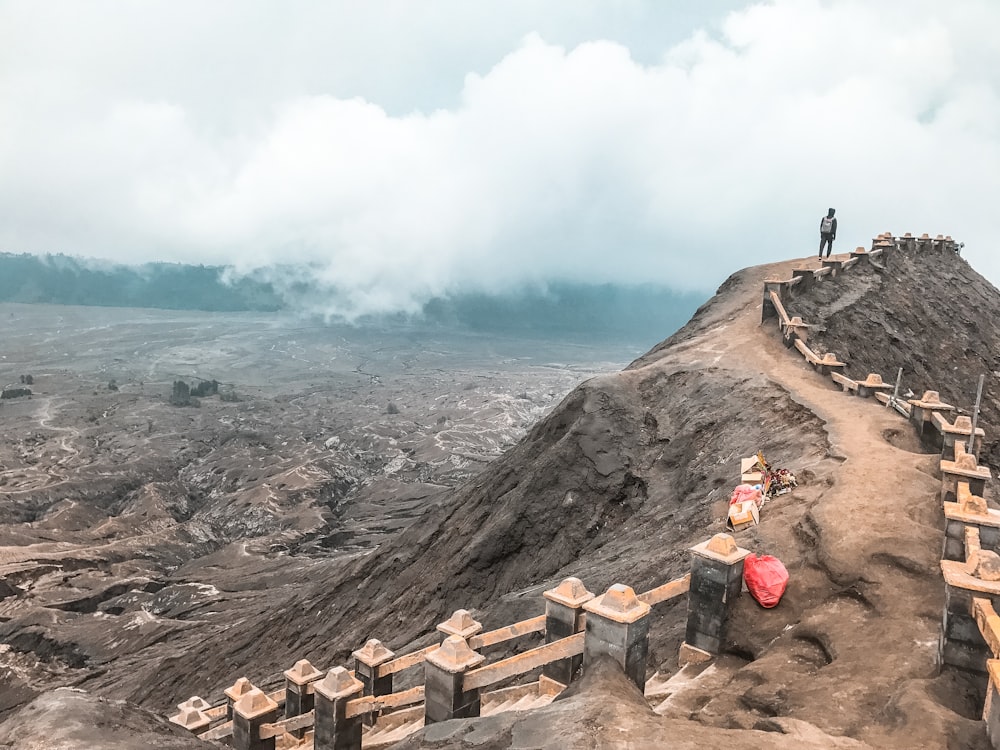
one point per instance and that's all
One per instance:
(64, 280)
(644, 313)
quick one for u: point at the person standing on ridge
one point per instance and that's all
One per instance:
(827, 232)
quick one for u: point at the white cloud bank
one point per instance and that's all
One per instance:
(556, 163)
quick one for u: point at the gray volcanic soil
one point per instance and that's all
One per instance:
(132, 526)
(613, 486)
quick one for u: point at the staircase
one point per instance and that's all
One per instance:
(684, 693)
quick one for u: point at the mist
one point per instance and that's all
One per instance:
(590, 144)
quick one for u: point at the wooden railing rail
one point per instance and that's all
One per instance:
(285, 726)
(782, 314)
(667, 591)
(405, 661)
(368, 703)
(988, 622)
(218, 733)
(524, 662)
(508, 633)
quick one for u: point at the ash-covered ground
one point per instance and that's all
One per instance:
(128, 520)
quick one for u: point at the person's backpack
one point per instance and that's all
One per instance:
(826, 226)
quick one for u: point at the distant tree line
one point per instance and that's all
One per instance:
(64, 280)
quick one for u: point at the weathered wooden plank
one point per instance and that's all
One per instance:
(667, 591)
(405, 662)
(808, 353)
(972, 543)
(525, 627)
(988, 622)
(368, 703)
(848, 263)
(524, 662)
(218, 733)
(780, 308)
(844, 382)
(216, 712)
(819, 273)
(939, 421)
(278, 728)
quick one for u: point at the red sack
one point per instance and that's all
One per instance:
(766, 579)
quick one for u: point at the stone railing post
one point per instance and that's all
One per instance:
(716, 582)
(190, 715)
(332, 730)
(367, 660)
(234, 692)
(461, 623)
(250, 712)
(618, 626)
(445, 696)
(563, 618)
(298, 697)
(978, 576)
(922, 410)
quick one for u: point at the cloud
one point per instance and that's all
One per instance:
(577, 162)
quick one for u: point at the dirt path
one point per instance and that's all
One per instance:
(863, 607)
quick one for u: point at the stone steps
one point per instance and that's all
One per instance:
(686, 691)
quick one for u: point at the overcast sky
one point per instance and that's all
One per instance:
(400, 149)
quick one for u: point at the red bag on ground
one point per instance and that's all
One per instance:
(766, 579)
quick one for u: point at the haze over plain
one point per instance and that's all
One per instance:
(392, 152)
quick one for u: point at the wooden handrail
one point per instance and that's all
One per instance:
(368, 703)
(278, 728)
(808, 353)
(776, 301)
(218, 733)
(524, 662)
(508, 633)
(988, 622)
(667, 591)
(217, 712)
(404, 662)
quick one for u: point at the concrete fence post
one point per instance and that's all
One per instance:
(299, 698)
(234, 692)
(564, 616)
(618, 626)
(461, 623)
(716, 583)
(445, 696)
(190, 715)
(922, 411)
(367, 660)
(250, 712)
(332, 730)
